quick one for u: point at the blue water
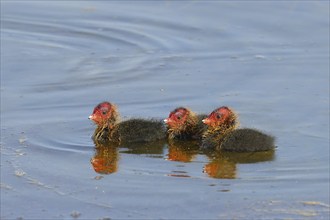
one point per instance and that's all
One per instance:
(268, 60)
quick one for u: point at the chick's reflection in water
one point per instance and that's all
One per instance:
(222, 164)
(105, 159)
(183, 151)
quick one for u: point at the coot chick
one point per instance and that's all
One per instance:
(184, 124)
(223, 135)
(109, 129)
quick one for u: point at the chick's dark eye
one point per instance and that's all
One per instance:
(104, 112)
(178, 117)
(218, 116)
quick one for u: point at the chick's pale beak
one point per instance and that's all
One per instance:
(91, 117)
(206, 121)
(166, 120)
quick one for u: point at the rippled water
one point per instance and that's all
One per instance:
(268, 60)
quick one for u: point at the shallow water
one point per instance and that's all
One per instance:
(268, 60)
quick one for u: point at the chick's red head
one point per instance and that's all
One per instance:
(220, 116)
(102, 112)
(177, 117)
